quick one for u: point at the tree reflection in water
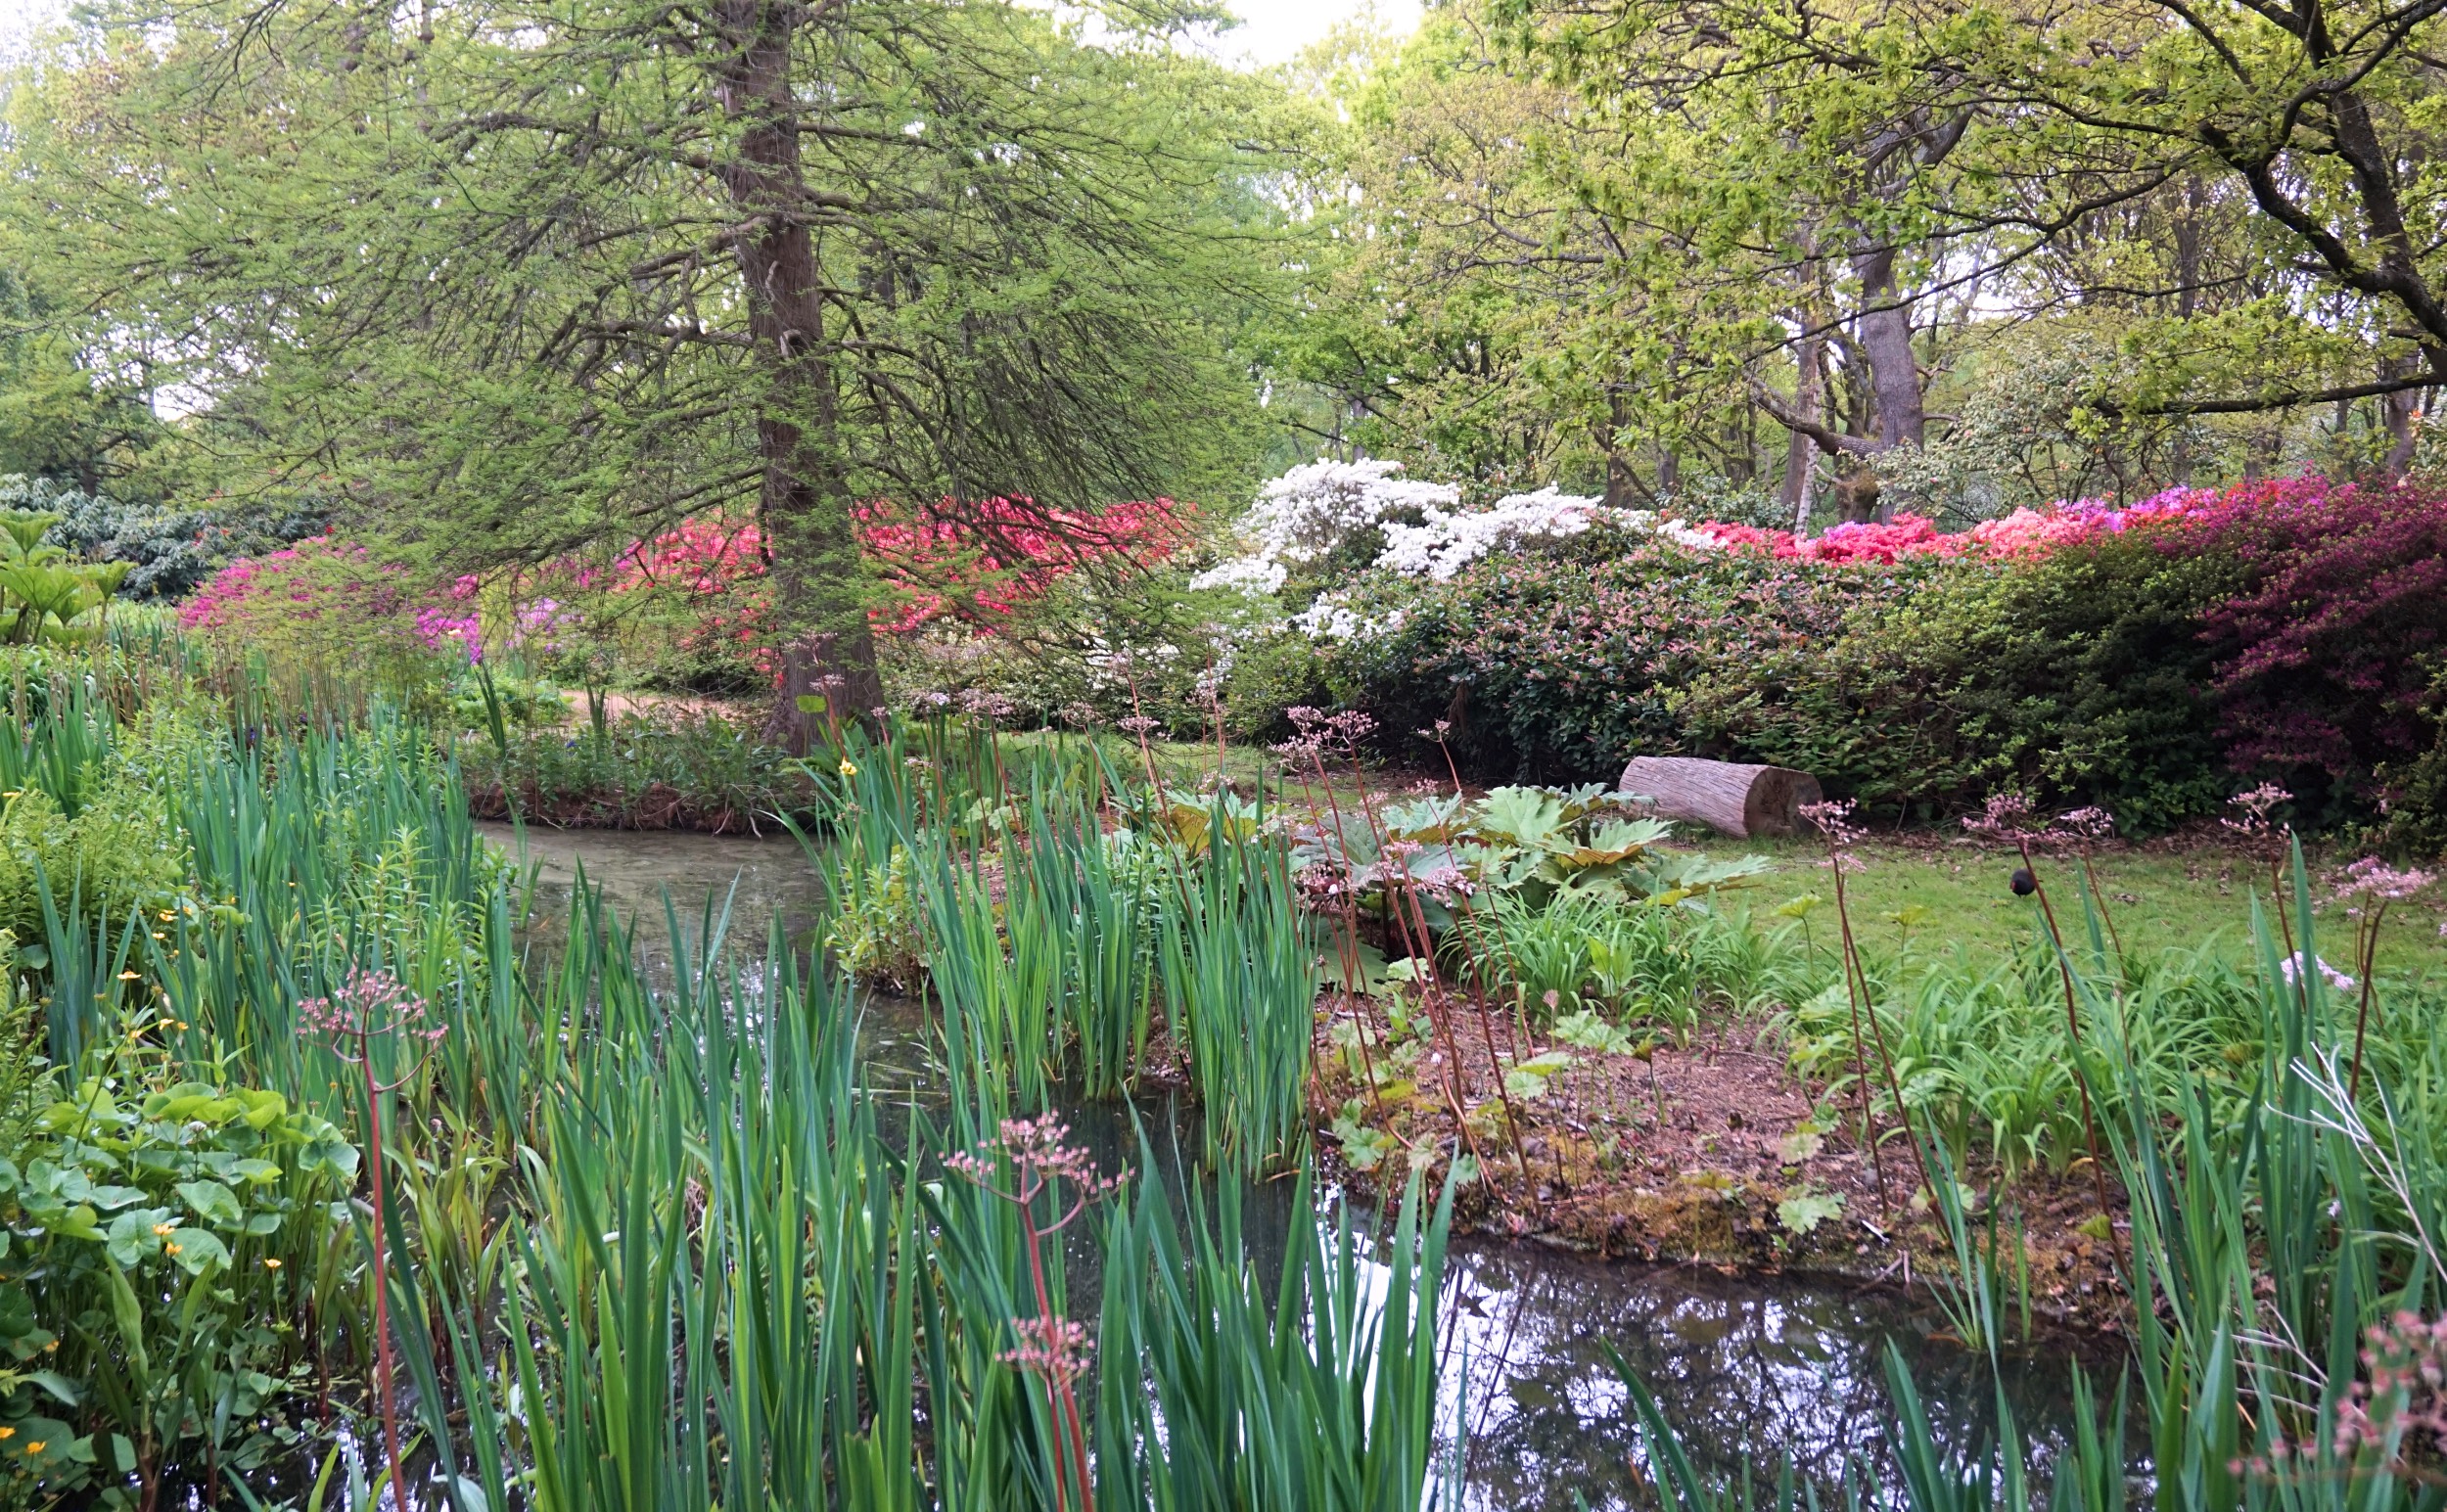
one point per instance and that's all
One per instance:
(1746, 1368)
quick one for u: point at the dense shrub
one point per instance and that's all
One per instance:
(323, 600)
(2149, 660)
(2323, 652)
(1556, 668)
(172, 551)
(2078, 676)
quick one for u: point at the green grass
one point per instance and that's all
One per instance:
(2159, 899)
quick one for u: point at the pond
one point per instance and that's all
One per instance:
(1766, 1367)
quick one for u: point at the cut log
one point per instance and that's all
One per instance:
(1729, 796)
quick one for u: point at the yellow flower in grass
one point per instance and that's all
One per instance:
(848, 768)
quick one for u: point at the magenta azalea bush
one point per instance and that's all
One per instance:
(2325, 657)
(322, 597)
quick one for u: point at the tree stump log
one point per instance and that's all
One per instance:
(1729, 796)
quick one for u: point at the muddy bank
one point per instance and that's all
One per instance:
(1705, 1154)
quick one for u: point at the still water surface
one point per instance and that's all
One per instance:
(1762, 1368)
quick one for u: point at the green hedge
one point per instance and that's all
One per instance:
(1918, 687)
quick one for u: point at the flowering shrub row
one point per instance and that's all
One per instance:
(691, 605)
(2026, 532)
(1322, 516)
(980, 562)
(2147, 659)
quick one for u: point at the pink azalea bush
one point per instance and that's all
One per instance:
(979, 564)
(325, 599)
(2026, 532)
(709, 576)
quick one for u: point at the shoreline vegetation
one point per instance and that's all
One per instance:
(1536, 1014)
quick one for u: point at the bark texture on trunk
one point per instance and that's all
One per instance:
(1800, 451)
(1886, 341)
(828, 670)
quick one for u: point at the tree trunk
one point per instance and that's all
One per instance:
(1855, 493)
(827, 651)
(1886, 341)
(1810, 402)
(2397, 411)
(1621, 490)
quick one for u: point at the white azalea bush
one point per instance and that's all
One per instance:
(1364, 514)
(1319, 569)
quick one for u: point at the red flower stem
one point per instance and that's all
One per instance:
(2073, 1027)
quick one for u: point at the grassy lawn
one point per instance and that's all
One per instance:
(2165, 894)
(2162, 895)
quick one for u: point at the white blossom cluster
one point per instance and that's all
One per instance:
(1311, 510)
(1254, 575)
(1448, 541)
(1331, 618)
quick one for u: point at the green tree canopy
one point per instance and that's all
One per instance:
(523, 277)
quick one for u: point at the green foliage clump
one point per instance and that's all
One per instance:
(2080, 676)
(877, 933)
(646, 770)
(1916, 686)
(121, 854)
(145, 1283)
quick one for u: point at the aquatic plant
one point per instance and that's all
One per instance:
(1239, 987)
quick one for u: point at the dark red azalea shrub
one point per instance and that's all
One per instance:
(2324, 659)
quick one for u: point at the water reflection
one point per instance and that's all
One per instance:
(1760, 1369)
(1755, 1369)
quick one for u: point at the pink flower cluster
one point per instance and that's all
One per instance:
(368, 1004)
(2026, 532)
(315, 578)
(979, 560)
(2400, 1408)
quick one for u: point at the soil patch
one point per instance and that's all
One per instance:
(1708, 1152)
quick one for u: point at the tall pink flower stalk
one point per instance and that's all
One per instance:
(1030, 1153)
(372, 1009)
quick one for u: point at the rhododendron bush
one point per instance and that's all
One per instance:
(2150, 658)
(688, 607)
(323, 597)
(2328, 655)
(2024, 533)
(980, 562)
